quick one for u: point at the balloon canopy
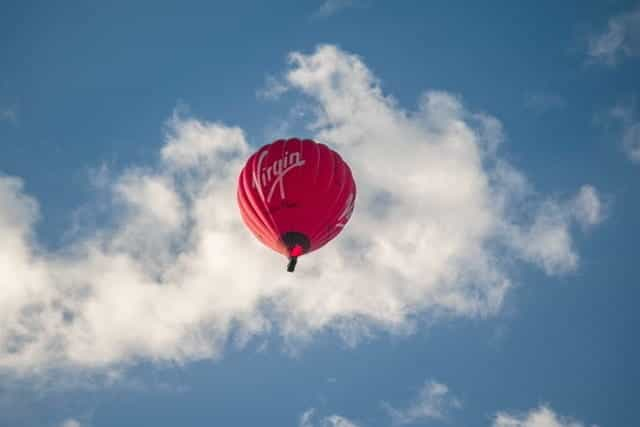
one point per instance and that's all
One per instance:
(295, 195)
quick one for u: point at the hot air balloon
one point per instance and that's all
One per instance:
(295, 195)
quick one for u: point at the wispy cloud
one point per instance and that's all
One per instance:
(620, 40)
(307, 419)
(439, 215)
(542, 416)
(272, 89)
(9, 114)
(433, 402)
(331, 7)
(71, 422)
(543, 102)
(627, 120)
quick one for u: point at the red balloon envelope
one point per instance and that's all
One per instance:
(295, 196)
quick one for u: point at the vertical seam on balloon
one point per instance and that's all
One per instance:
(258, 219)
(257, 163)
(320, 230)
(276, 228)
(315, 180)
(269, 227)
(248, 212)
(348, 182)
(334, 156)
(282, 172)
(271, 224)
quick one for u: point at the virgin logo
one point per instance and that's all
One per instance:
(272, 176)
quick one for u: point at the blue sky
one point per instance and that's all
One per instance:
(505, 136)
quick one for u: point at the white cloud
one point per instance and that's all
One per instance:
(547, 240)
(626, 117)
(542, 416)
(620, 40)
(177, 275)
(587, 207)
(194, 144)
(307, 420)
(71, 423)
(434, 401)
